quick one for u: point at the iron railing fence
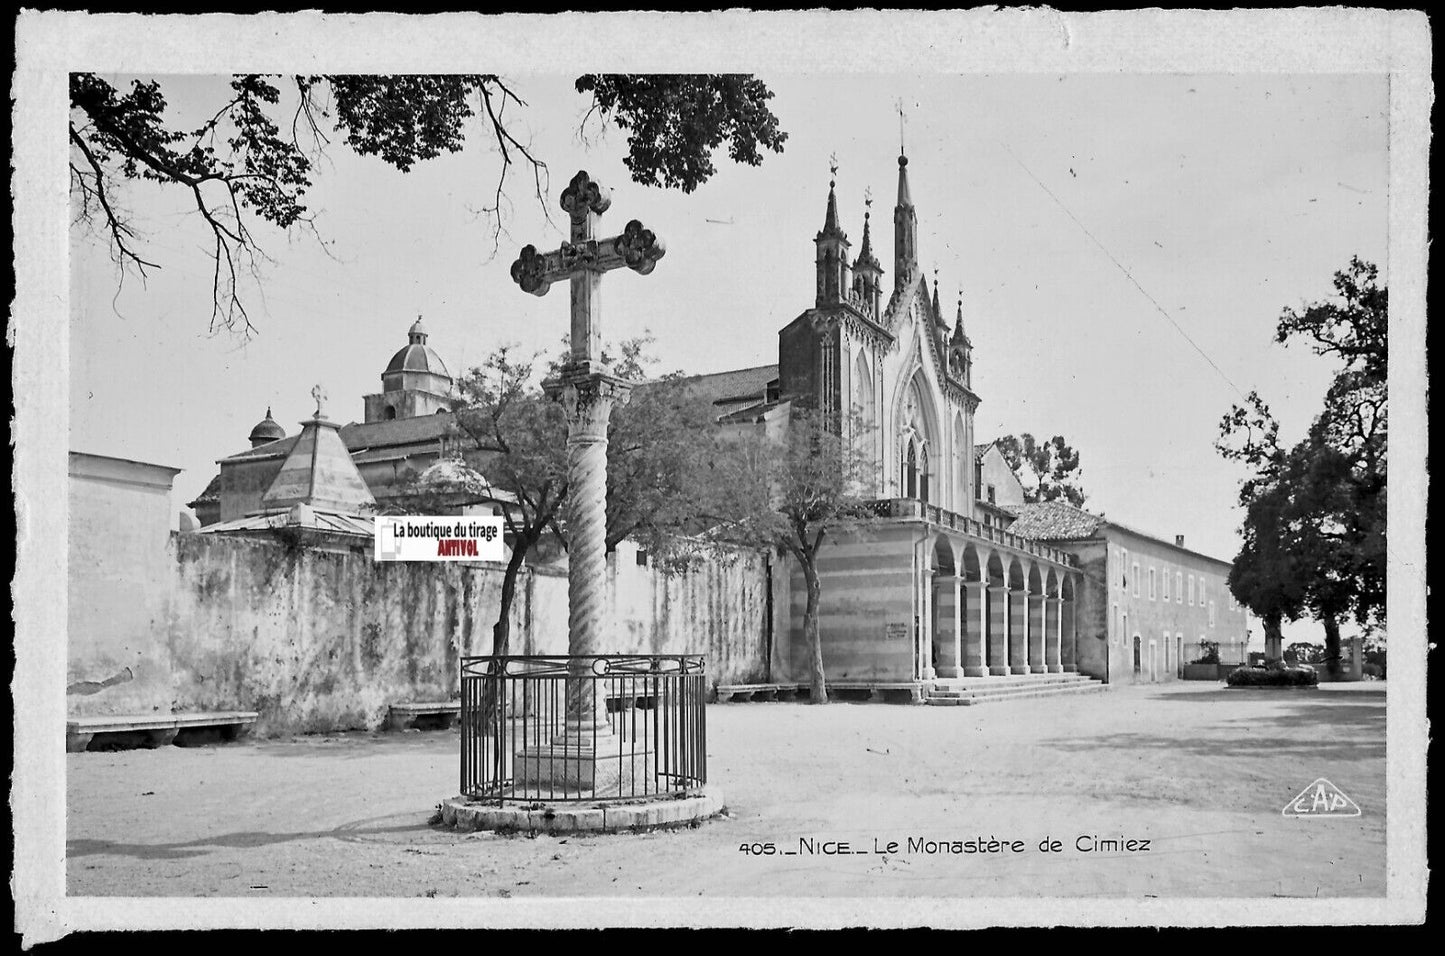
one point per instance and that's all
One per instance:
(637, 727)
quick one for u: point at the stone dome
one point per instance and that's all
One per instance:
(417, 356)
(266, 431)
(454, 476)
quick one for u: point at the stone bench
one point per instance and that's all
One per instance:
(727, 692)
(406, 716)
(877, 690)
(156, 730)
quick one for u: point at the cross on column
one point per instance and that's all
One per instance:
(583, 260)
(588, 391)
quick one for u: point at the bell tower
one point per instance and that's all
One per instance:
(834, 272)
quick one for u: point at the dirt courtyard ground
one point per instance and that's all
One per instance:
(1200, 772)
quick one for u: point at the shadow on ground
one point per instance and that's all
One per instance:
(1342, 726)
(373, 830)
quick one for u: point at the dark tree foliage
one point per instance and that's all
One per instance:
(675, 122)
(1315, 512)
(794, 494)
(255, 156)
(1053, 463)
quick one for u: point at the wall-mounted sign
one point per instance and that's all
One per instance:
(455, 538)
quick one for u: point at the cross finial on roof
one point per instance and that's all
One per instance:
(832, 168)
(901, 150)
(868, 197)
(319, 393)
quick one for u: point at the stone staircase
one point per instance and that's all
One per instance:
(966, 691)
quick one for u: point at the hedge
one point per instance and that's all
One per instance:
(1287, 676)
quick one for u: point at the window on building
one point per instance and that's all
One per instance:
(641, 558)
(1191, 590)
(1134, 570)
(1201, 590)
(1124, 568)
(1211, 613)
(1178, 587)
(992, 499)
(1153, 595)
(1166, 584)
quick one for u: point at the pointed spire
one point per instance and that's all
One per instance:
(937, 312)
(958, 333)
(867, 251)
(905, 226)
(830, 222)
(904, 197)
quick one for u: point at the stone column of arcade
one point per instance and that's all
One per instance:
(1052, 635)
(948, 615)
(998, 600)
(575, 760)
(1036, 635)
(1018, 656)
(975, 626)
(926, 624)
(1068, 649)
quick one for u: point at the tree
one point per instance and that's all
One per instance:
(1315, 513)
(500, 410)
(794, 494)
(1049, 471)
(253, 159)
(516, 436)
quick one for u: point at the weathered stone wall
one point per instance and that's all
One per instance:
(323, 640)
(319, 640)
(1091, 611)
(118, 575)
(718, 609)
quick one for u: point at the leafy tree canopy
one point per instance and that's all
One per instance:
(1314, 529)
(1049, 471)
(255, 156)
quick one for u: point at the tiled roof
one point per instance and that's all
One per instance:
(1054, 521)
(734, 387)
(210, 495)
(319, 519)
(749, 413)
(359, 435)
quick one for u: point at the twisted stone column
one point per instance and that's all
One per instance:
(588, 398)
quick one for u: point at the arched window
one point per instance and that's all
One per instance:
(918, 433)
(390, 412)
(923, 475)
(910, 469)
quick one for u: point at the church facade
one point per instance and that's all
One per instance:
(942, 589)
(963, 579)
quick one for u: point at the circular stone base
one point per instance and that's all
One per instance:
(461, 814)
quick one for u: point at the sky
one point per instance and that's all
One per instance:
(1123, 245)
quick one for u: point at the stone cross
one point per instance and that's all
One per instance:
(587, 390)
(319, 393)
(583, 260)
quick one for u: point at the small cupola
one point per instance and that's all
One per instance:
(266, 431)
